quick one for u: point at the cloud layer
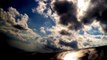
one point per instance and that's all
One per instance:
(72, 29)
(77, 21)
(21, 35)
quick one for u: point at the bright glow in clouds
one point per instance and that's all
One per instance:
(82, 6)
(70, 56)
(82, 54)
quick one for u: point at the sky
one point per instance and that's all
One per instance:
(36, 20)
(48, 26)
(61, 21)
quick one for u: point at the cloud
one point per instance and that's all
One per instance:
(9, 16)
(84, 54)
(67, 14)
(14, 24)
(42, 29)
(41, 8)
(69, 32)
(21, 35)
(87, 54)
(73, 17)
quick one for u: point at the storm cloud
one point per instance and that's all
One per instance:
(67, 12)
(74, 17)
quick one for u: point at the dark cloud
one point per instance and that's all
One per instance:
(53, 48)
(64, 32)
(86, 21)
(75, 26)
(90, 15)
(63, 7)
(98, 53)
(98, 12)
(67, 12)
(72, 44)
(103, 19)
(19, 27)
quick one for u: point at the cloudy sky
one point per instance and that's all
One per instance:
(54, 25)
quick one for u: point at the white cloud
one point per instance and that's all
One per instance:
(23, 39)
(9, 16)
(41, 7)
(26, 39)
(23, 20)
(42, 29)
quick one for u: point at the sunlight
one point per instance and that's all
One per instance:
(71, 56)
